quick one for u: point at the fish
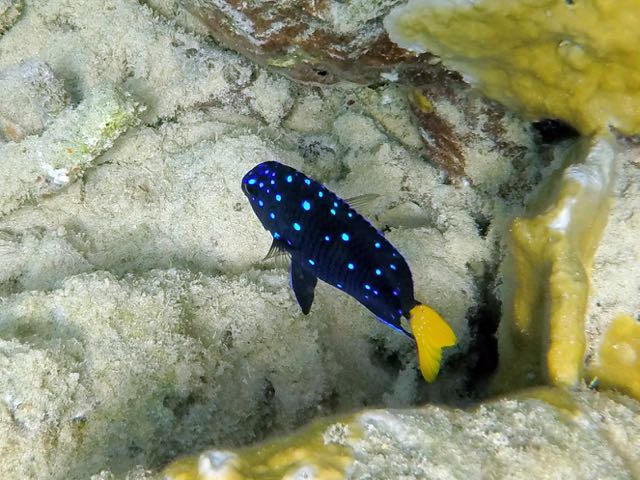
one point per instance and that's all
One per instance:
(327, 239)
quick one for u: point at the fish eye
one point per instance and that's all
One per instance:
(250, 186)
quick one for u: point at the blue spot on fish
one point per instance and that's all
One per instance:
(307, 181)
(289, 179)
(333, 212)
(252, 181)
(350, 266)
(297, 227)
(306, 205)
(312, 262)
(378, 271)
(345, 237)
(278, 197)
(272, 216)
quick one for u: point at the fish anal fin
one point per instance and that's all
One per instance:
(303, 284)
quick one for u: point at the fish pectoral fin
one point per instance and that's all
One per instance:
(303, 283)
(276, 250)
(361, 200)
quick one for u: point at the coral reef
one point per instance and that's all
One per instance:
(138, 322)
(551, 256)
(576, 61)
(584, 436)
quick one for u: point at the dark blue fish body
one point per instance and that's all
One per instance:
(327, 239)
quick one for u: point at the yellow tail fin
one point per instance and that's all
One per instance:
(432, 334)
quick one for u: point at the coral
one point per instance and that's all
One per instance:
(576, 61)
(32, 98)
(61, 155)
(9, 12)
(551, 257)
(319, 451)
(618, 361)
(510, 438)
(616, 268)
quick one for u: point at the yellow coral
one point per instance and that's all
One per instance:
(618, 362)
(551, 256)
(316, 452)
(578, 61)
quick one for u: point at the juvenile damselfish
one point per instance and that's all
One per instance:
(327, 239)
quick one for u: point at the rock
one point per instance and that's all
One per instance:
(31, 98)
(313, 41)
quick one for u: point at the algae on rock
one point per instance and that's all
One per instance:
(66, 149)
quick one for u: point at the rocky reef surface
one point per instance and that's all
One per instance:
(138, 322)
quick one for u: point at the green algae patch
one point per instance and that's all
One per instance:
(318, 452)
(577, 61)
(541, 336)
(618, 362)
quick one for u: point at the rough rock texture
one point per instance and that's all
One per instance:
(315, 41)
(31, 98)
(551, 433)
(9, 13)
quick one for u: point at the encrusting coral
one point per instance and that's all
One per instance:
(617, 364)
(572, 435)
(551, 256)
(576, 61)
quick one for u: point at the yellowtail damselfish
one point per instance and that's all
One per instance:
(327, 239)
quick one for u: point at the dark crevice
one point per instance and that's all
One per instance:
(554, 131)
(482, 355)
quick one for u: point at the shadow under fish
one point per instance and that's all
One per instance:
(328, 239)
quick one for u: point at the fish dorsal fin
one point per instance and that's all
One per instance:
(276, 250)
(361, 200)
(303, 283)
